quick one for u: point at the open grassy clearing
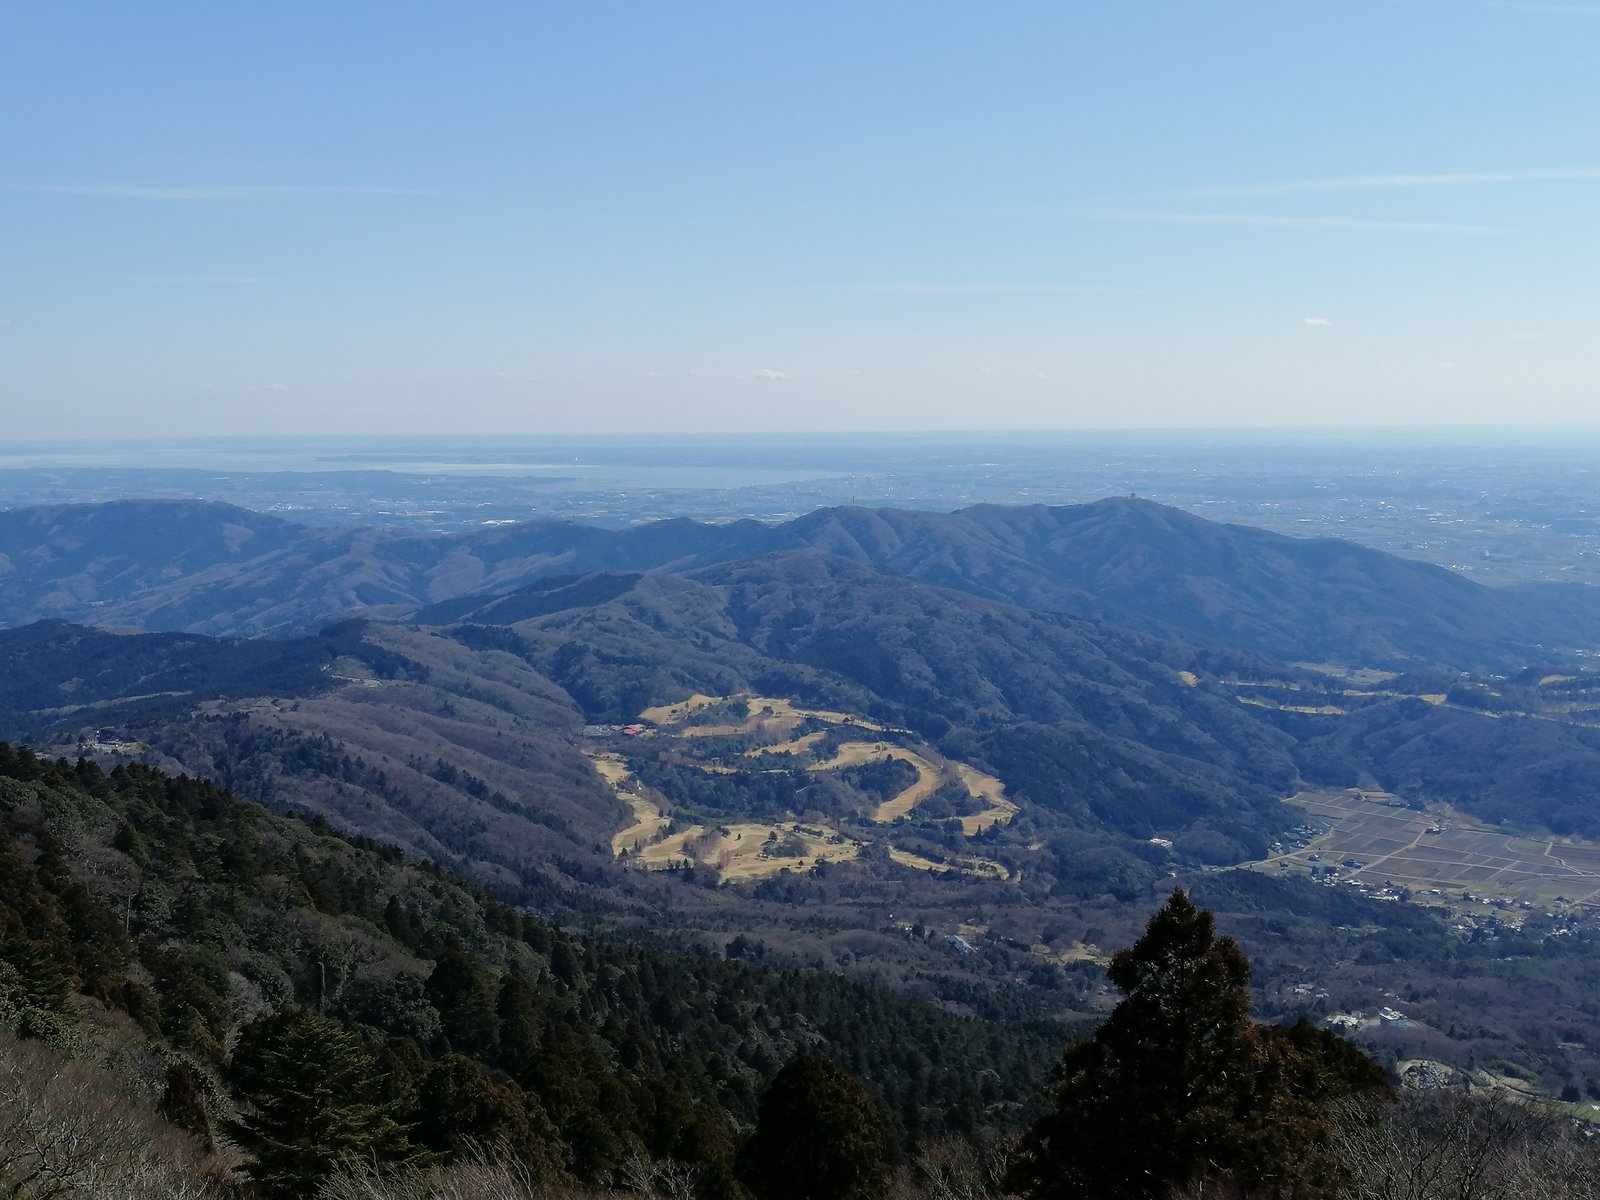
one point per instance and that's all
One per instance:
(932, 770)
(648, 819)
(750, 850)
(672, 714)
(985, 787)
(771, 712)
(773, 716)
(801, 745)
(740, 850)
(1438, 854)
(965, 864)
(855, 754)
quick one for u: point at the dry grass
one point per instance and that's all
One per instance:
(744, 851)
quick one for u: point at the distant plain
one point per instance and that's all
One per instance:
(1498, 505)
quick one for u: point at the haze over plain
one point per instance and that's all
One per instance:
(584, 218)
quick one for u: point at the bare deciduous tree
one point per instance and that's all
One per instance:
(479, 1179)
(953, 1168)
(1455, 1144)
(70, 1132)
(660, 1179)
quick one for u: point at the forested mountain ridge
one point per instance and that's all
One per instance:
(202, 999)
(210, 568)
(461, 741)
(147, 921)
(962, 794)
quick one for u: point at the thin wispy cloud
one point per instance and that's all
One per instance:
(907, 288)
(1265, 221)
(759, 375)
(208, 192)
(202, 279)
(1370, 183)
(1316, 322)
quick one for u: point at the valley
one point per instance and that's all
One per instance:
(794, 602)
(929, 752)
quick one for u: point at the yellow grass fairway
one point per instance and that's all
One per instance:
(856, 754)
(763, 709)
(648, 819)
(736, 848)
(962, 864)
(985, 787)
(673, 714)
(931, 771)
(802, 745)
(738, 852)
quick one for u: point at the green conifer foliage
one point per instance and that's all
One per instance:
(182, 1105)
(1178, 1085)
(820, 1135)
(465, 1003)
(314, 1103)
(460, 1111)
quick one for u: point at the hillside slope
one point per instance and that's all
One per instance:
(148, 922)
(213, 569)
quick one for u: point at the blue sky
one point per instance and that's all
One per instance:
(579, 217)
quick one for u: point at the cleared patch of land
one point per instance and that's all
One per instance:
(802, 745)
(984, 787)
(648, 819)
(762, 710)
(964, 864)
(1437, 854)
(749, 850)
(672, 714)
(855, 754)
(931, 769)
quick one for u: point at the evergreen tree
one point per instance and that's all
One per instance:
(820, 1135)
(460, 1111)
(182, 1105)
(313, 1099)
(465, 1003)
(1178, 1085)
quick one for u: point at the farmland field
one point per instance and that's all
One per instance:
(1436, 854)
